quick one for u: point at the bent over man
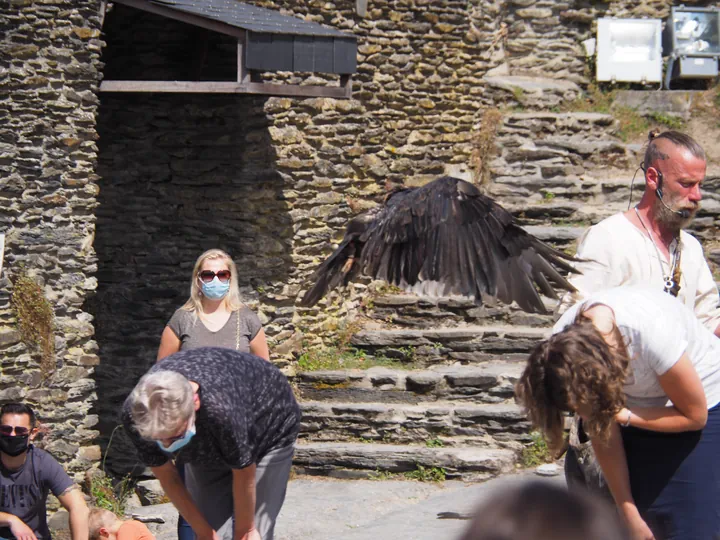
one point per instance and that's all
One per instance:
(231, 419)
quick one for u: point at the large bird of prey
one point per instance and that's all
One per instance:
(445, 238)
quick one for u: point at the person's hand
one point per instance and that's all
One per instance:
(210, 534)
(639, 529)
(252, 534)
(21, 531)
(621, 417)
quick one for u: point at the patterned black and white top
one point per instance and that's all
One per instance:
(247, 409)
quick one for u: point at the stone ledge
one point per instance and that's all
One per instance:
(358, 460)
(488, 425)
(436, 345)
(490, 383)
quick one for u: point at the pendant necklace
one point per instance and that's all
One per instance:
(668, 278)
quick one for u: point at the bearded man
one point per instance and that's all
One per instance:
(646, 244)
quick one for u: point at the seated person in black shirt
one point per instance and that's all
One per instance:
(231, 420)
(27, 475)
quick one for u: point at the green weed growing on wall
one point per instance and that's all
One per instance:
(484, 146)
(35, 319)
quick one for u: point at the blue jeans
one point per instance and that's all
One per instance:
(184, 530)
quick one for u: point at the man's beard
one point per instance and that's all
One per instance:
(671, 220)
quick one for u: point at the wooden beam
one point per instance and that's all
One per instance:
(102, 11)
(222, 87)
(189, 18)
(361, 8)
(242, 73)
(346, 83)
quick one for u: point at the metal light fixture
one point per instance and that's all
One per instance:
(629, 50)
(691, 40)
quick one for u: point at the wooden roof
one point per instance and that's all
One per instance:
(267, 41)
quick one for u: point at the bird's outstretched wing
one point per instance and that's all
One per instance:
(447, 238)
(342, 266)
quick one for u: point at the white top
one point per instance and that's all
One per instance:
(621, 254)
(657, 330)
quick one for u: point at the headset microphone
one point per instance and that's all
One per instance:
(685, 214)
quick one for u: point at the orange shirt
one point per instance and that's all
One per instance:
(134, 530)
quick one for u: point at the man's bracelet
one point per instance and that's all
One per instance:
(627, 422)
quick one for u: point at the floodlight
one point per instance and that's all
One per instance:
(692, 41)
(629, 50)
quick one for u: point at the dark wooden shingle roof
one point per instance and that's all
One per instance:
(266, 41)
(252, 18)
(275, 42)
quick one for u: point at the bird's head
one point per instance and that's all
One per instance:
(392, 189)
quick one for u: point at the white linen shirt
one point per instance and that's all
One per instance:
(618, 253)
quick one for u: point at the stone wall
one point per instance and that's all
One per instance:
(111, 228)
(50, 69)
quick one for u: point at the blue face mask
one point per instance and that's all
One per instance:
(216, 289)
(179, 443)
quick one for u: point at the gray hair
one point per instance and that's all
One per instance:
(160, 403)
(681, 140)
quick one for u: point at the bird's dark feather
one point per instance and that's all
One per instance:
(450, 233)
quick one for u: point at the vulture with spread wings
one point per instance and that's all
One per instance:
(445, 238)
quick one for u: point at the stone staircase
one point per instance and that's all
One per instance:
(451, 406)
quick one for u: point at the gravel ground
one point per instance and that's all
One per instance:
(327, 509)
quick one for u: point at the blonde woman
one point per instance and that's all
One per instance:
(214, 315)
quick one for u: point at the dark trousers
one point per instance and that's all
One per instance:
(675, 480)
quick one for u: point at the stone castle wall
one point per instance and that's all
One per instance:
(48, 191)
(109, 198)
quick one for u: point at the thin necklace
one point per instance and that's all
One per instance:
(668, 278)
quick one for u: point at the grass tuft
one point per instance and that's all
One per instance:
(113, 496)
(536, 452)
(333, 358)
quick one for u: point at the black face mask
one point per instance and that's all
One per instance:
(13, 445)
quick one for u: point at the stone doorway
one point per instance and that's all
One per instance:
(179, 174)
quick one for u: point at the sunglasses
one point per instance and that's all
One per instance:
(19, 430)
(208, 275)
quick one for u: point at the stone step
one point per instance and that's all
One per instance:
(555, 235)
(409, 310)
(361, 460)
(532, 92)
(482, 425)
(487, 383)
(445, 345)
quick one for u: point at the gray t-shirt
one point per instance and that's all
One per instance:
(240, 329)
(24, 492)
